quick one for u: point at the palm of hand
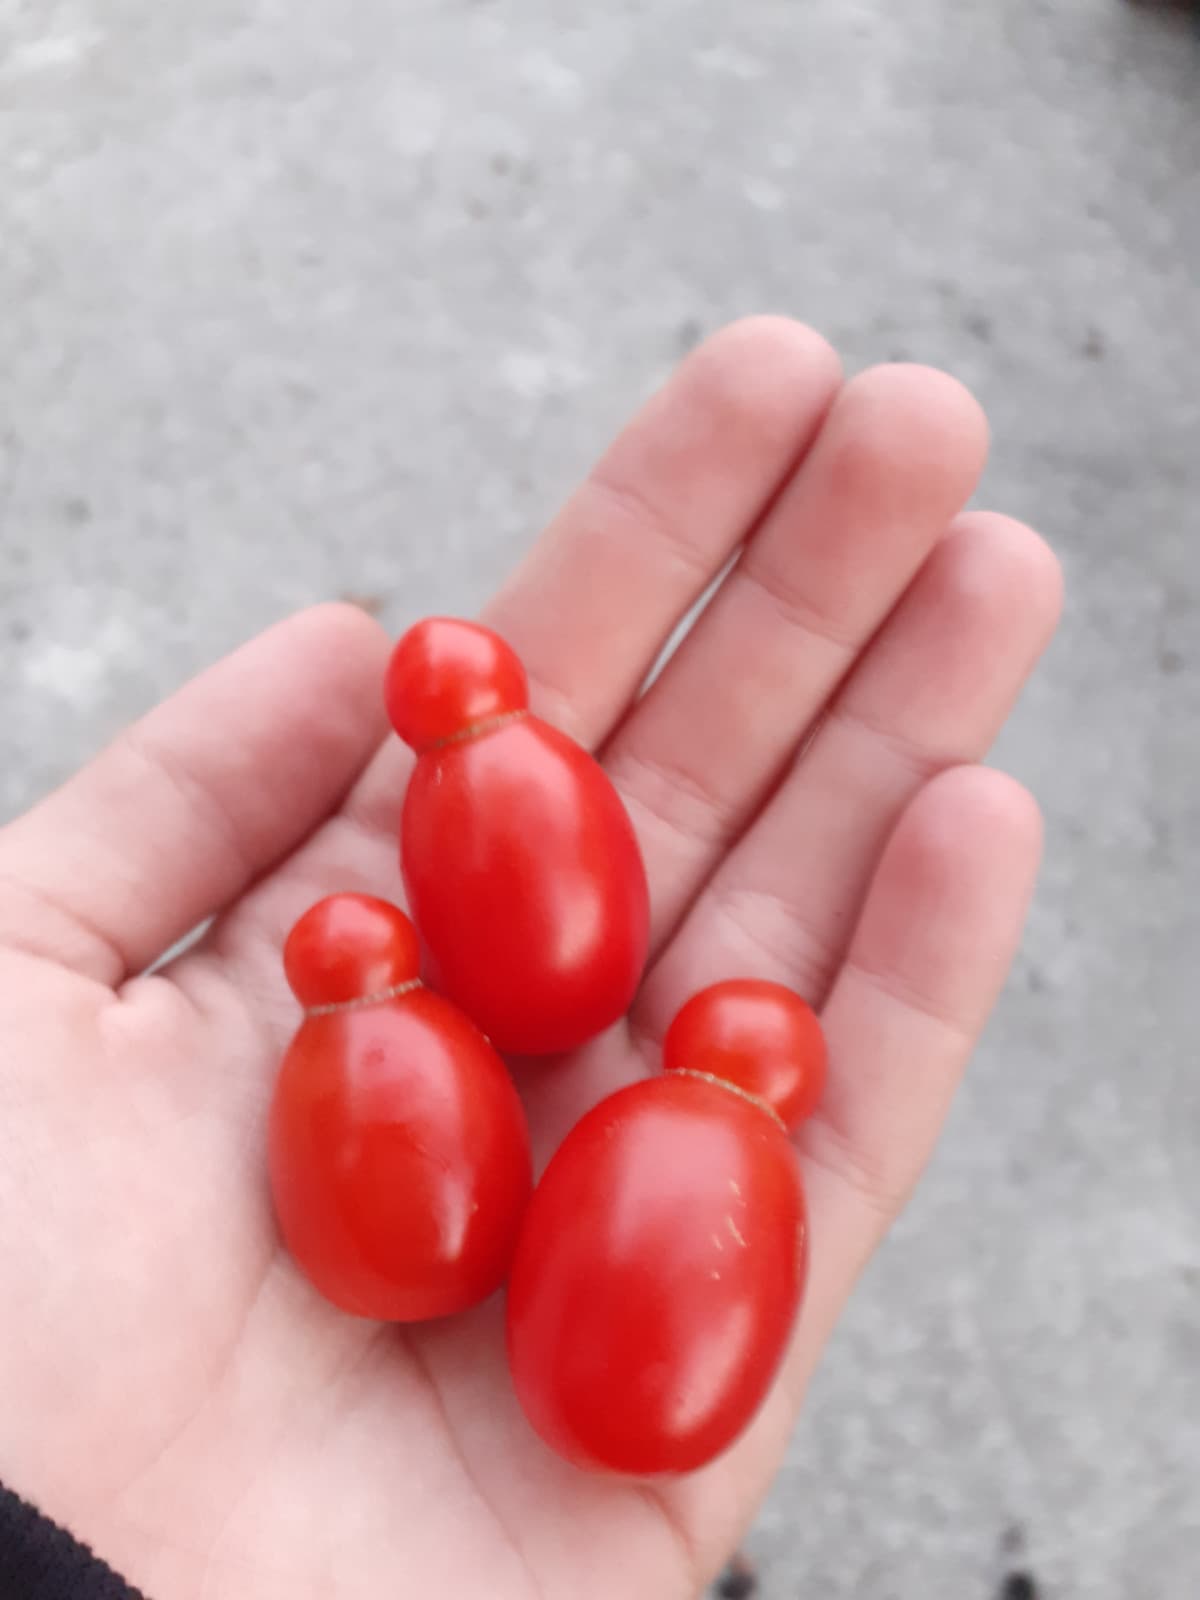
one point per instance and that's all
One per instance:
(174, 1391)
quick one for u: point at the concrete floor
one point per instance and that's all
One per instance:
(308, 299)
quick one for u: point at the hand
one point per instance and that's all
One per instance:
(801, 776)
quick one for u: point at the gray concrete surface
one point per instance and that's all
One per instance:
(305, 299)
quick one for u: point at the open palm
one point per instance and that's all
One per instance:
(799, 776)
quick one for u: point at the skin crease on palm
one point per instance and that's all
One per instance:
(802, 778)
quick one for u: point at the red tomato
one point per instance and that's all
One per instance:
(348, 946)
(757, 1035)
(522, 869)
(657, 1277)
(398, 1152)
(445, 676)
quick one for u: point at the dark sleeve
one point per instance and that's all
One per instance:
(39, 1561)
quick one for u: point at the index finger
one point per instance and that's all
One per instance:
(662, 511)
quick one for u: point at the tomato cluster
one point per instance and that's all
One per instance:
(655, 1273)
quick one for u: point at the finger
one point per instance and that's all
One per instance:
(932, 949)
(931, 692)
(638, 543)
(189, 805)
(931, 953)
(899, 455)
(660, 514)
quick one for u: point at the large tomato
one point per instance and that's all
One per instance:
(658, 1276)
(521, 866)
(398, 1152)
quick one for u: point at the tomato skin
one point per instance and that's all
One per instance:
(525, 878)
(399, 1159)
(657, 1278)
(758, 1035)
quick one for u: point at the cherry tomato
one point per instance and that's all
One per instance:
(522, 869)
(757, 1035)
(445, 676)
(398, 1152)
(348, 946)
(657, 1277)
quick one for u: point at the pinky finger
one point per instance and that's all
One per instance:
(930, 954)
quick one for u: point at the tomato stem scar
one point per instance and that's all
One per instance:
(475, 730)
(377, 999)
(733, 1088)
